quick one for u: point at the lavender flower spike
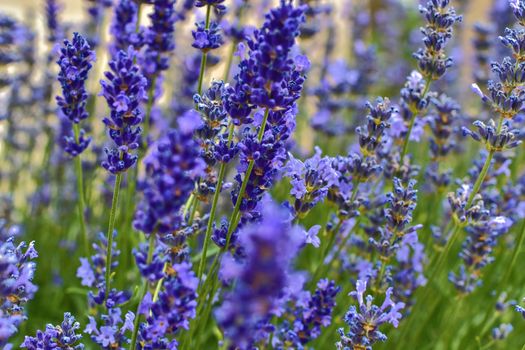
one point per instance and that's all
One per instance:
(75, 62)
(16, 286)
(365, 320)
(63, 336)
(123, 90)
(171, 170)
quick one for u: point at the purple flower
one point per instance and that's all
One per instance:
(124, 27)
(365, 320)
(216, 4)
(268, 78)
(74, 62)
(432, 61)
(171, 168)
(307, 314)
(62, 336)
(311, 236)
(85, 273)
(159, 39)
(493, 139)
(123, 91)
(310, 180)
(175, 307)
(521, 310)
(206, 39)
(483, 231)
(262, 276)
(54, 28)
(16, 286)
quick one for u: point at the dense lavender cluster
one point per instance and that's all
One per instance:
(282, 174)
(17, 270)
(261, 279)
(171, 169)
(63, 336)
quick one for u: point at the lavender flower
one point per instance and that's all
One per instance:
(365, 320)
(502, 331)
(377, 123)
(494, 138)
(270, 80)
(75, 62)
(124, 27)
(483, 233)
(402, 204)
(107, 329)
(111, 334)
(521, 310)
(92, 274)
(310, 181)
(482, 44)
(260, 279)
(440, 18)
(211, 135)
(175, 307)
(407, 275)
(96, 10)
(16, 286)
(123, 91)
(266, 79)
(54, 29)
(206, 39)
(158, 38)
(63, 336)
(171, 170)
(310, 313)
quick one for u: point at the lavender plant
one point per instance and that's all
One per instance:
(264, 196)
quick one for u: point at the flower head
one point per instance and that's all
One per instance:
(171, 168)
(123, 91)
(365, 320)
(75, 62)
(63, 336)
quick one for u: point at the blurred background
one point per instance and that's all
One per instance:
(474, 11)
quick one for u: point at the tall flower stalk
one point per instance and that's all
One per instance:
(432, 60)
(123, 90)
(75, 62)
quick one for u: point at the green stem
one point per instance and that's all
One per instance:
(234, 220)
(324, 253)
(80, 190)
(481, 178)
(204, 59)
(412, 122)
(204, 54)
(159, 284)
(111, 228)
(229, 62)
(211, 219)
(515, 254)
(143, 292)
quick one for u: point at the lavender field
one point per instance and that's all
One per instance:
(262, 175)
